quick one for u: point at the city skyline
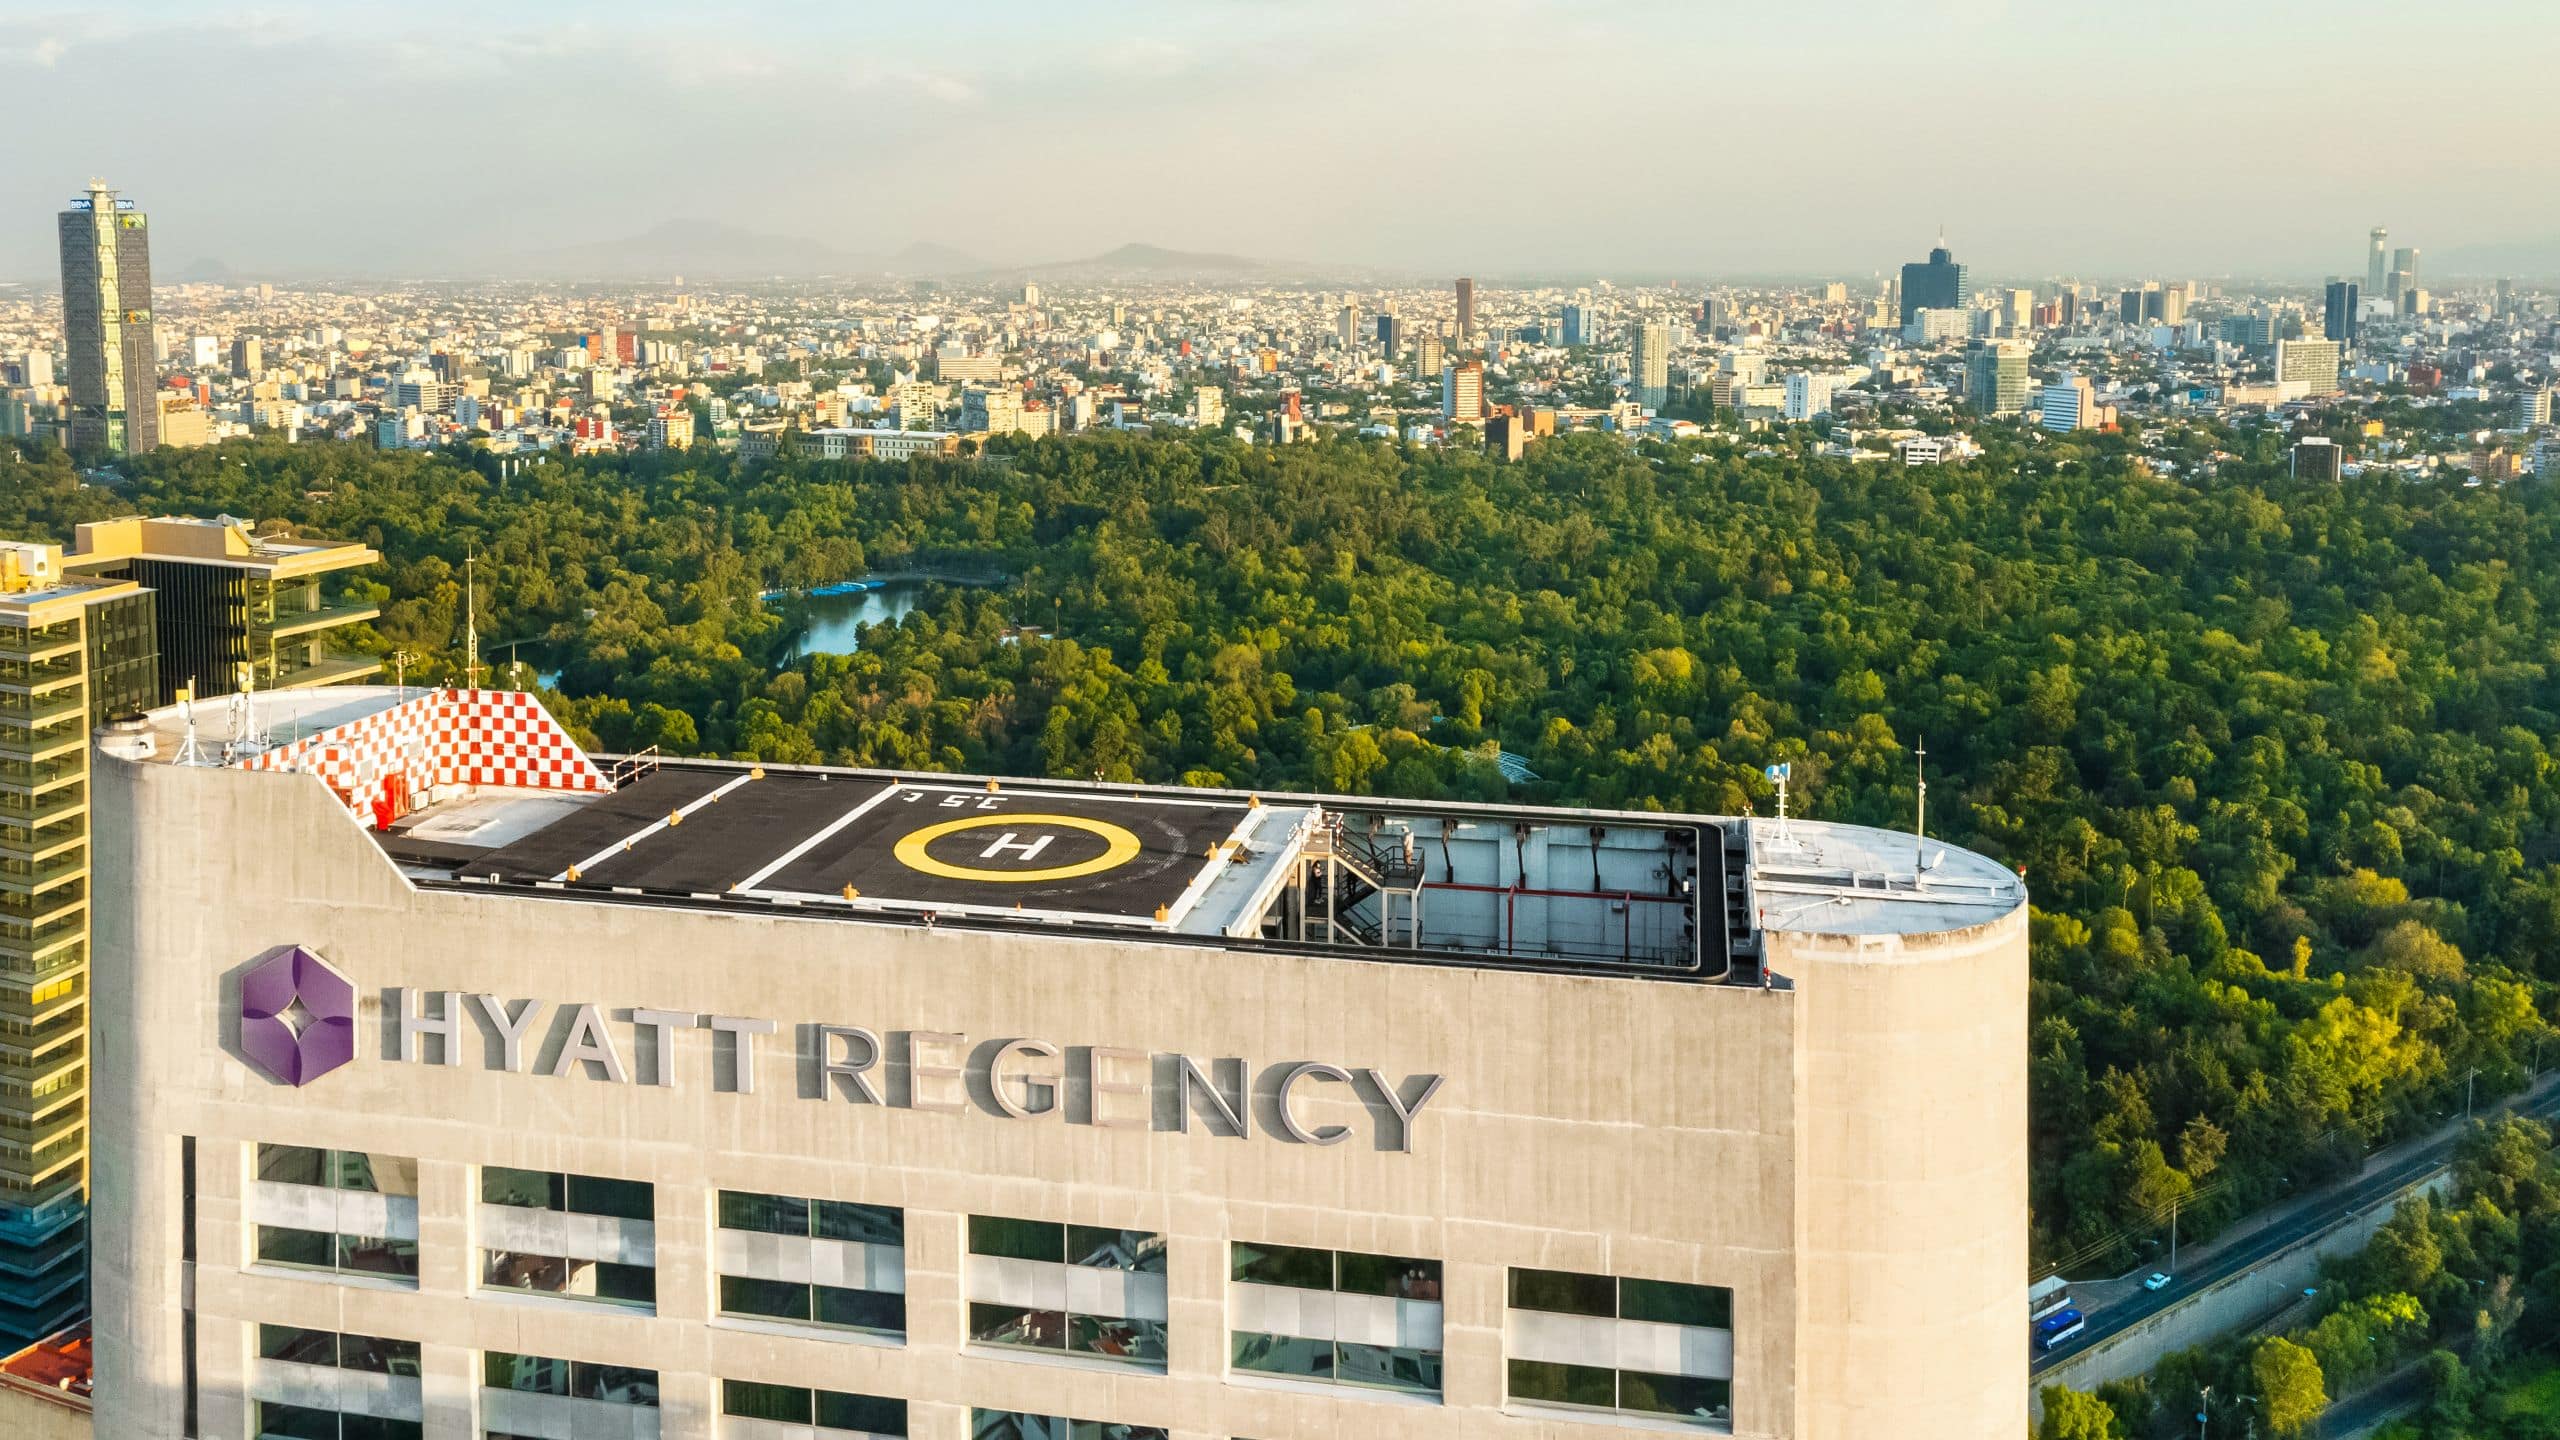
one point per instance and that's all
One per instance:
(1332, 141)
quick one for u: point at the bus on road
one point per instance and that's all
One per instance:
(2056, 1330)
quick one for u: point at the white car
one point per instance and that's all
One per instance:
(2158, 1280)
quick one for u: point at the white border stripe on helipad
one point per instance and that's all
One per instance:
(652, 828)
(1023, 791)
(873, 905)
(1239, 833)
(748, 885)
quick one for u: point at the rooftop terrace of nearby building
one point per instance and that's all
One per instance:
(55, 1369)
(221, 540)
(479, 791)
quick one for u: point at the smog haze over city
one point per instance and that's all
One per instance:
(1508, 138)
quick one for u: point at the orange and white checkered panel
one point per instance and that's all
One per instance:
(442, 738)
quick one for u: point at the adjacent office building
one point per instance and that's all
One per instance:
(2377, 257)
(454, 1082)
(1938, 283)
(114, 364)
(1649, 371)
(73, 650)
(236, 608)
(82, 641)
(1466, 310)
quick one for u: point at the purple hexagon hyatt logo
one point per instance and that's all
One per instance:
(297, 1016)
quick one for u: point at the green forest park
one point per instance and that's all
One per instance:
(2275, 757)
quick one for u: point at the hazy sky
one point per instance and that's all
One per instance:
(1707, 138)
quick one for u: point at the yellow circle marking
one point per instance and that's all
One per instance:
(1118, 847)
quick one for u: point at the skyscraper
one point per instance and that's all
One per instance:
(1938, 283)
(1650, 369)
(106, 324)
(2312, 362)
(1462, 393)
(1466, 309)
(2338, 311)
(1577, 325)
(2376, 259)
(2404, 278)
(1995, 378)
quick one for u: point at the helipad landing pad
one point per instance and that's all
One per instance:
(1068, 854)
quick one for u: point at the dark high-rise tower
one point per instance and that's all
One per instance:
(114, 370)
(1466, 309)
(1938, 283)
(2338, 311)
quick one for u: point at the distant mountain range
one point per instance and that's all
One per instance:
(1156, 261)
(2522, 259)
(714, 249)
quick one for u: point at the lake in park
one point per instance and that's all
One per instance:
(836, 621)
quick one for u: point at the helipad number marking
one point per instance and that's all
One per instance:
(1118, 847)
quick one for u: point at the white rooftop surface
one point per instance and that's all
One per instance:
(488, 816)
(284, 715)
(1815, 877)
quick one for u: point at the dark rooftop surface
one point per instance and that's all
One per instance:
(788, 836)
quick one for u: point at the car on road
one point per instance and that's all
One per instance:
(2157, 1280)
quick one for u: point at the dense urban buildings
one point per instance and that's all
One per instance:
(956, 1104)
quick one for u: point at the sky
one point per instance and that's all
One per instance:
(1494, 137)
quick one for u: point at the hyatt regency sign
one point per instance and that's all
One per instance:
(1013, 1078)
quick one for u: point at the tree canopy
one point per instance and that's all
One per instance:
(2275, 757)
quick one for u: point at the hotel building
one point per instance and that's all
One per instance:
(453, 1083)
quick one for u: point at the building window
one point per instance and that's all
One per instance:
(1337, 1316)
(831, 1411)
(1077, 1289)
(1014, 1425)
(351, 1212)
(573, 1379)
(1643, 1347)
(815, 1262)
(578, 1236)
(298, 1368)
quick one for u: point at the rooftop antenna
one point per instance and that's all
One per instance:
(247, 738)
(190, 752)
(471, 621)
(1920, 812)
(1780, 774)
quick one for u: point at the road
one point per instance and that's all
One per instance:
(2370, 1411)
(2290, 1224)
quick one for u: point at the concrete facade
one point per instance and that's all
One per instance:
(1847, 1156)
